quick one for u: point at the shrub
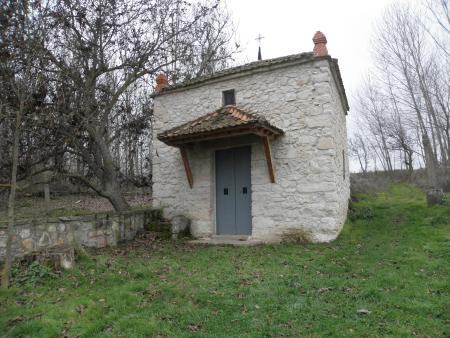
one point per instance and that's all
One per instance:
(379, 181)
(368, 183)
(356, 212)
(24, 273)
(446, 200)
(440, 220)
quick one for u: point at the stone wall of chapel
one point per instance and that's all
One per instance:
(310, 193)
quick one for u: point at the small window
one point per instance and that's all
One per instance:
(228, 97)
(343, 163)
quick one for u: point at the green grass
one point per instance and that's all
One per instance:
(396, 265)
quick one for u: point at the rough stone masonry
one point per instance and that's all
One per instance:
(301, 94)
(97, 230)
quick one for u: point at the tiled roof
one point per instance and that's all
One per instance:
(223, 119)
(301, 57)
(246, 67)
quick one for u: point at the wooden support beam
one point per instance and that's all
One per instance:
(268, 152)
(187, 168)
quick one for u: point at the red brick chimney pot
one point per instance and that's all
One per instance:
(161, 82)
(320, 44)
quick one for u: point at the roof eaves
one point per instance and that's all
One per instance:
(250, 128)
(339, 83)
(184, 131)
(257, 65)
(284, 61)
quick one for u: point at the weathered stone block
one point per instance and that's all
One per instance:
(24, 233)
(317, 121)
(325, 143)
(28, 245)
(44, 240)
(180, 226)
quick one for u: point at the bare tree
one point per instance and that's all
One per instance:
(399, 136)
(405, 105)
(372, 109)
(410, 57)
(441, 13)
(21, 86)
(97, 51)
(359, 150)
(213, 45)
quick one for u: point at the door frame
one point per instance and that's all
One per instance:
(214, 182)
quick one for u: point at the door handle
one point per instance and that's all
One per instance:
(244, 190)
(225, 191)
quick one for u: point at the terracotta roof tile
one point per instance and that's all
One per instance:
(224, 118)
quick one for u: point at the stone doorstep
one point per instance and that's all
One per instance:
(236, 240)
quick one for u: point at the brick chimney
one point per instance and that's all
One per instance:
(320, 44)
(161, 82)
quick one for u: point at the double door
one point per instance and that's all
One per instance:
(233, 191)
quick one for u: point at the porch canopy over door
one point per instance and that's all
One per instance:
(225, 122)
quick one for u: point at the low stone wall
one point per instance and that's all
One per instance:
(98, 230)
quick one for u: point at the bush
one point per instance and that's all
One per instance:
(368, 183)
(440, 220)
(375, 182)
(25, 273)
(446, 200)
(356, 212)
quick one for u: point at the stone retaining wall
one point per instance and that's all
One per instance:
(98, 230)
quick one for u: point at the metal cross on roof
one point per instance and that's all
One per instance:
(259, 38)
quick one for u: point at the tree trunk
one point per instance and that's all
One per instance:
(109, 178)
(112, 186)
(80, 171)
(409, 155)
(12, 200)
(117, 200)
(47, 193)
(430, 165)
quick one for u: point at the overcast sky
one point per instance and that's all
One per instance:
(289, 25)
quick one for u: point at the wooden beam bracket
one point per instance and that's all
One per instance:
(268, 153)
(187, 167)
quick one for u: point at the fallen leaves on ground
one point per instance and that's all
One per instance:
(80, 308)
(323, 290)
(245, 281)
(194, 327)
(142, 243)
(18, 319)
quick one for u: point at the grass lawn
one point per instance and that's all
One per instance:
(395, 265)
